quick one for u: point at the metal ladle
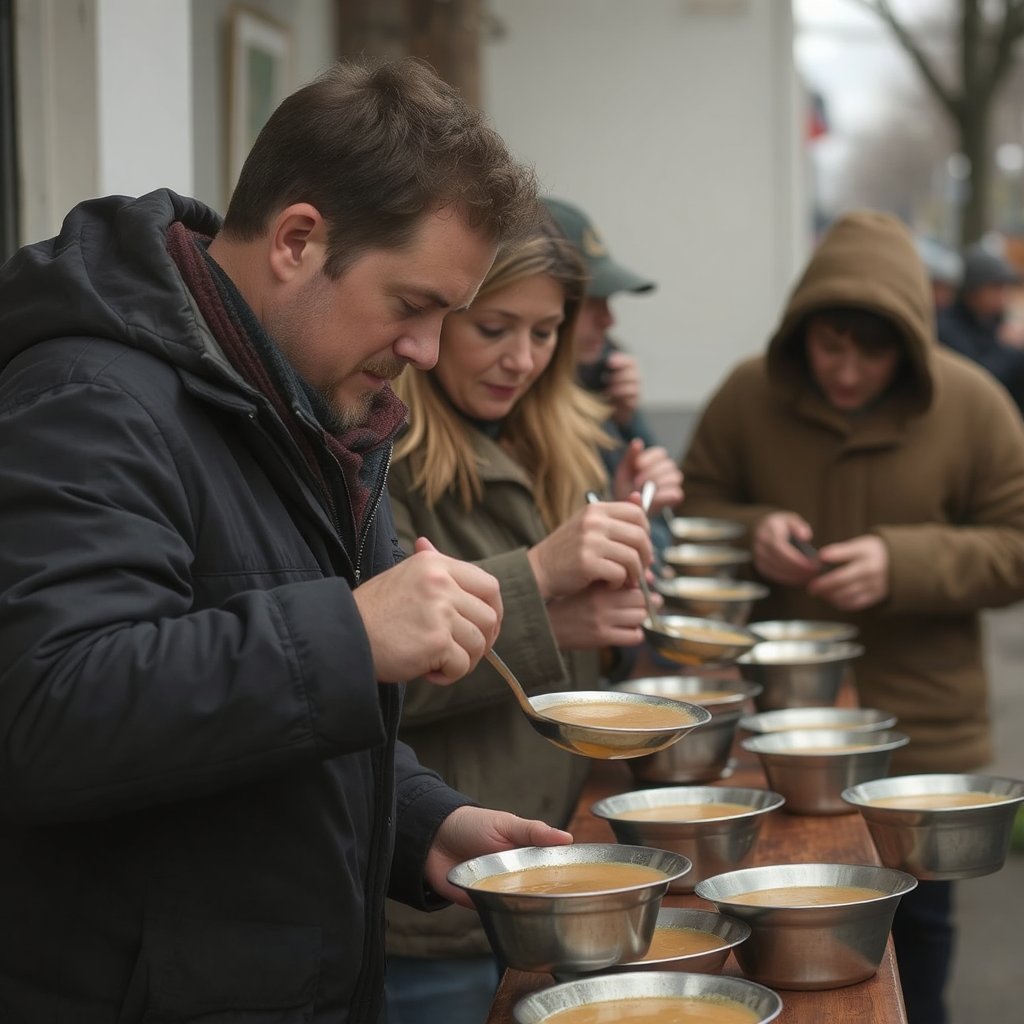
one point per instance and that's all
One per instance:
(597, 740)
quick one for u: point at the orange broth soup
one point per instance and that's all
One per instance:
(658, 1010)
(615, 715)
(567, 879)
(938, 801)
(685, 812)
(806, 896)
(672, 942)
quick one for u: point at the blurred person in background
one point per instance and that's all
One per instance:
(904, 463)
(977, 324)
(501, 449)
(945, 270)
(604, 367)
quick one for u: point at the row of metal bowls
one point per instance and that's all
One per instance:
(802, 947)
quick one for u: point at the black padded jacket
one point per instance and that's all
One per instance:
(202, 802)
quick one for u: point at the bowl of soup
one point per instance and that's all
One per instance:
(797, 673)
(804, 629)
(847, 719)
(812, 926)
(654, 997)
(705, 754)
(614, 724)
(571, 908)
(702, 530)
(812, 767)
(687, 640)
(711, 597)
(705, 559)
(940, 826)
(715, 827)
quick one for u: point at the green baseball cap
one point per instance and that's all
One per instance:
(606, 276)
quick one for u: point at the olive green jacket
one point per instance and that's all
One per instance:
(473, 732)
(935, 468)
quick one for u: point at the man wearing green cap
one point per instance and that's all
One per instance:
(602, 365)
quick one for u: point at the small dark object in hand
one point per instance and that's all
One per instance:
(805, 549)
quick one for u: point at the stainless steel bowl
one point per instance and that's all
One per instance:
(701, 530)
(711, 597)
(610, 742)
(944, 843)
(686, 640)
(848, 719)
(797, 673)
(705, 754)
(569, 932)
(540, 1007)
(817, 947)
(812, 767)
(712, 845)
(705, 559)
(804, 629)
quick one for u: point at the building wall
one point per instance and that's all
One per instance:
(676, 124)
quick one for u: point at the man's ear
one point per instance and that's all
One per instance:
(298, 243)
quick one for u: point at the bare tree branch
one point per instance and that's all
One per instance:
(882, 10)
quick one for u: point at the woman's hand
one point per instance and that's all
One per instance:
(607, 542)
(599, 617)
(640, 464)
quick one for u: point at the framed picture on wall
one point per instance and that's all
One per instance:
(259, 69)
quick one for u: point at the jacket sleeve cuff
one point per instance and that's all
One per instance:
(423, 803)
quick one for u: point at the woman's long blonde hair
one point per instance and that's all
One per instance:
(553, 432)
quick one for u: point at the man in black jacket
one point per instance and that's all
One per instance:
(203, 802)
(975, 323)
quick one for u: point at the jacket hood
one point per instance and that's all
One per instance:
(867, 260)
(107, 274)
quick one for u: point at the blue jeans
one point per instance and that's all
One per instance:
(923, 933)
(420, 991)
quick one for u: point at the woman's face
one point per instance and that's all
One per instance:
(851, 376)
(493, 352)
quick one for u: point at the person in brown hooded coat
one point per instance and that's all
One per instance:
(904, 463)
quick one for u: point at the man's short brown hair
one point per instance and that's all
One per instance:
(375, 146)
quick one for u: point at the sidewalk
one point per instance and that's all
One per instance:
(988, 975)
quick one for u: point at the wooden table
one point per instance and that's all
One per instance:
(785, 839)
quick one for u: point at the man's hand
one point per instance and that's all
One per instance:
(430, 616)
(622, 386)
(640, 464)
(600, 617)
(775, 558)
(474, 831)
(861, 577)
(605, 542)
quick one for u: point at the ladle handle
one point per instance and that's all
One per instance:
(509, 676)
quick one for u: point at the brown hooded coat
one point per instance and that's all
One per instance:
(935, 468)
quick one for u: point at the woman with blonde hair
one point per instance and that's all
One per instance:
(501, 449)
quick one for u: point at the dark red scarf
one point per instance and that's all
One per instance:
(234, 328)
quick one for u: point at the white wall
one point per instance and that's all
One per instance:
(678, 131)
(104, 103)
(144, 90)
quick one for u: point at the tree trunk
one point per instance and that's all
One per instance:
(974, 140)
